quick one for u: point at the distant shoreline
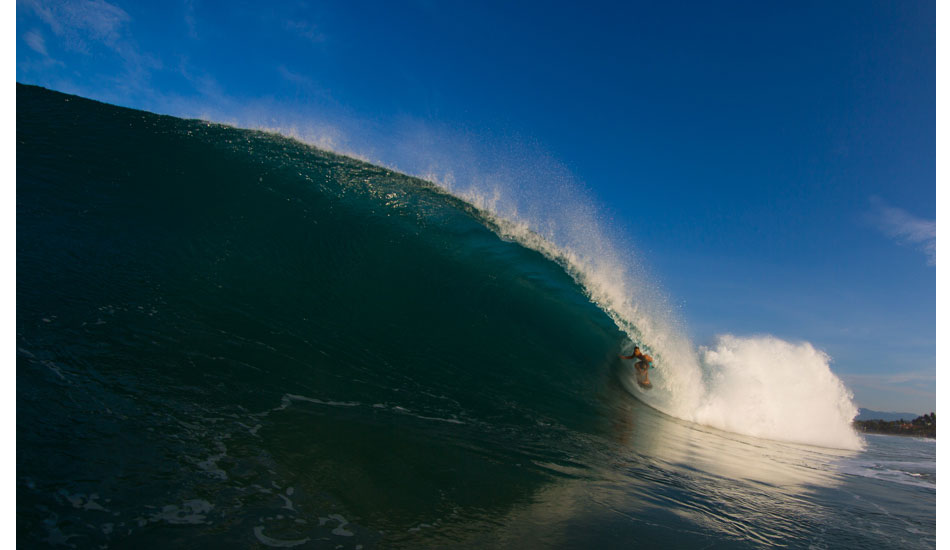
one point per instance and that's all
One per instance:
(922, 426)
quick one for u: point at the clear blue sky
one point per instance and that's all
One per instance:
(774, 162)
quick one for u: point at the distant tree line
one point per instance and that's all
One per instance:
(922, 426)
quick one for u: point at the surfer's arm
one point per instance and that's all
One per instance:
(627, 356)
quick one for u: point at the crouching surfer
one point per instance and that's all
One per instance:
(642, 364)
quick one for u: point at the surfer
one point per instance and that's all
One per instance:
(642, 365)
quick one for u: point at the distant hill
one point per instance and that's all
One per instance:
(867, 414)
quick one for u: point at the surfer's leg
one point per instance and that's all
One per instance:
(644, 369)
(643, 372)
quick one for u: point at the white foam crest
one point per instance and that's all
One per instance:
(766, 387)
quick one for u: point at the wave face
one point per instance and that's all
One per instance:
(217, 310)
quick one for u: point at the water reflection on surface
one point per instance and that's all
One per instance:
(653, 480)
(686, 447)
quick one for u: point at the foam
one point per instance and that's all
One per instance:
(191, 512)
(766, 387)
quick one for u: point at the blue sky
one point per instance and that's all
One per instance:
(774, 164)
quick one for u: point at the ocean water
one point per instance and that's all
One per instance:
(227, 338)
